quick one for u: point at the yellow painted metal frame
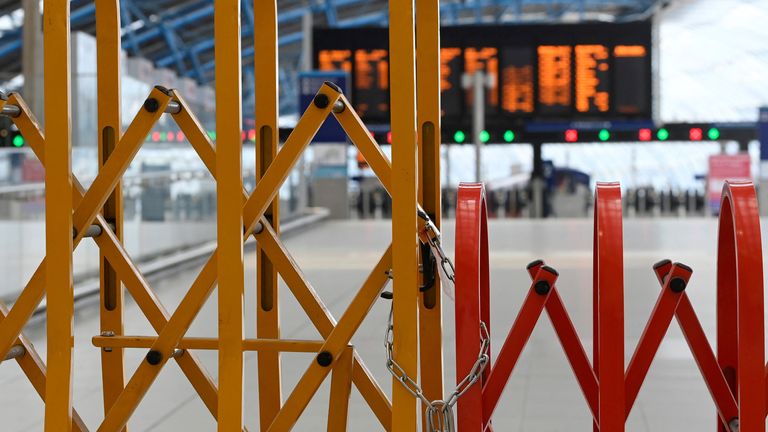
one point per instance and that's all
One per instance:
(108, 51)
(58, 218)
(229, 200)
(402, 50)
(412, 177)
(429, 112)
(266, 115)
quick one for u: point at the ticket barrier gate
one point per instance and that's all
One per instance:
(734, 372)
(74, 212)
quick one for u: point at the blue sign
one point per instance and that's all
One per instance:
(309, 84)
(762, 132)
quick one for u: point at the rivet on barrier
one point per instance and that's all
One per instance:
(324, 358)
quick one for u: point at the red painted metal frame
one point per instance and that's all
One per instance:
(472, 296)
(740, 307)
(608, 310)
(737, 378)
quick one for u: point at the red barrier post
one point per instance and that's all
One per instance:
(608, 291)
(740, 307)
(472, 296)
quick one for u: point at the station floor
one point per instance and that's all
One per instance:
(542, 395)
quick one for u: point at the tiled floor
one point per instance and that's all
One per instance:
(542, 395)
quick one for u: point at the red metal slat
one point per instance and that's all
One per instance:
(654, 332)
(518, 336)
(609, 300)
(470, 247)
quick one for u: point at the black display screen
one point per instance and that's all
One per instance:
(536, 72)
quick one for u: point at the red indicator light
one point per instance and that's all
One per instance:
(644, 135)
(243, 135)
(571, 135)
(389, 137)
(252, 135)
(169, 136)
(156, 136)
(180, 136)
(695, 134)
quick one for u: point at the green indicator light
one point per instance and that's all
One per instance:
(509, 136)
(662, 134)
(459, 136)
(604, 135)
(18, 141)
(485, 136)
(713, 133)
(212, 135)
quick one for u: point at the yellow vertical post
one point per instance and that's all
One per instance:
(428, 103)
(58, 217)
(404, 204)
(341, 387)
(108, 89)
(229, 201)
(267, 311)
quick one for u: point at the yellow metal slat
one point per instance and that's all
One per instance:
(229, 202)
(266, 114)
(428, 116)
(108, 58)
(306, 128)
(324, 322)
(334, 345)
(362, 139)
(404, 191)
(34, 368)
(341, 386)
(58, 217)
(122, 156)
(203, 343)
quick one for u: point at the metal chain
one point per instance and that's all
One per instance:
(439, 413)
(430, 235)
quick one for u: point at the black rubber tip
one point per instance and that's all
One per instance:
(154, 357)
(684, 267)
(533, 264)
(324, 359)
(333, 86)
(549, 269)
(321, 101)
(677, 285)
(387, 295)
(542, 287)
(661, 263)
(151, 105)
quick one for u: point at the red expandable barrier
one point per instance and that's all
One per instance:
(737, 377)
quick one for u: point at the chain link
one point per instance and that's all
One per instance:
(430, 235)
(439, 413)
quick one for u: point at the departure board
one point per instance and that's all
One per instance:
(592, 79)
(330, 60)
(372, 83)
(555, 79)
(630, 63)
(517, 80)
(483, 60)
(534, 73)
(451, 89)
